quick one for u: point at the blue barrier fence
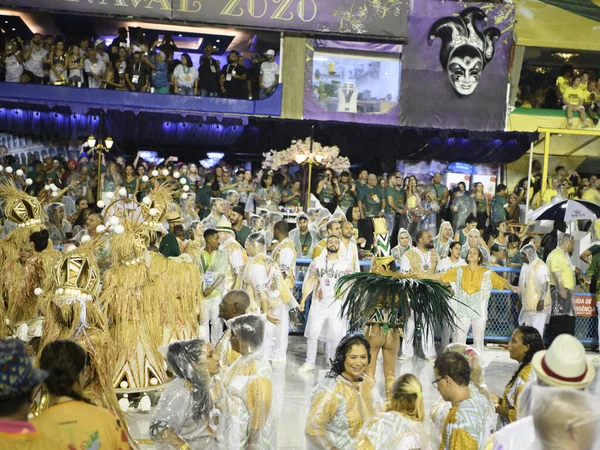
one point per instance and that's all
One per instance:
(503, 310)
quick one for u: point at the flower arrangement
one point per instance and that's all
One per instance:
(331, 156)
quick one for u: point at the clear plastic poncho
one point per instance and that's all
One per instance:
(484, 251)
(304, 243)
(442, 248)
(249, 420)
(399, 250)
(392, 430)
(565, 419)
(320, 223)
(186, 412)
(465, 206)
(534, 282)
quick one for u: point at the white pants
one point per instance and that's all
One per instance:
(462, 329)
(210, 314)
(276, 336)
(427, 341)
(537, 320)
(321, 313)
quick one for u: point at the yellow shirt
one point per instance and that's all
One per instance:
(562, 84)
(548, 195)
(29, 439)
(81, 425)
(558, 262)
(572, 96)
(472, 279)
(591, 195)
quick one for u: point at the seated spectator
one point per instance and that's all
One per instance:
(592, 101)
(185, 77)
(69, 417)
(564, 81)
(573, 102)
(18, 384)
(57, 225)
(269, 75)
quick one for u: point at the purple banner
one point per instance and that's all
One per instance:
(455, 66)
(382, 19)
(344, 84)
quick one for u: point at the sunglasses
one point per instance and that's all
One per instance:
(435, 382)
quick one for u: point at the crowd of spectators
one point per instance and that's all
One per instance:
(137, 65)
(573, 91)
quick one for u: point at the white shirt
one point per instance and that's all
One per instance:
(426, 261)
(14, 69)
(269, 72)
(35, 63)
(518, 435)
(95, 68)
(185, 76)
(235, 257)
(446, 264)
(328, 273)
(350, 253)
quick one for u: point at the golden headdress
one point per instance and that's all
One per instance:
(23, 209)
(160, 200)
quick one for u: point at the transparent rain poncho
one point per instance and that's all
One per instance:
(319, 225)
(484, 251)
(464, 206)
(304, 243)
(399, 250)
(477, 387)
(534, 282)
(565, 419)
(187, 412)
(443, 248)
(249, 422)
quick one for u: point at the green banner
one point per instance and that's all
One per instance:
(586, 8)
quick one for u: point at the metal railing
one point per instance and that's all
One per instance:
(503, 310)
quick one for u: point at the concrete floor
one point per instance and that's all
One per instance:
(293, 391)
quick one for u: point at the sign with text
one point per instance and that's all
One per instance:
(384, 19)
(585, 305)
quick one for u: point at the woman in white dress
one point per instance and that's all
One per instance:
(404, 424)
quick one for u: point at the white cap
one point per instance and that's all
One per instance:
(270, 52)
(98, 42)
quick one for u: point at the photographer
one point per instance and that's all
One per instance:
(326, 190)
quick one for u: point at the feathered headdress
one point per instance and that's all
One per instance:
(462, 32)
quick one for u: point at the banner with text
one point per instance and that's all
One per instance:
(384, 19)
(455, 66)
(584, 305)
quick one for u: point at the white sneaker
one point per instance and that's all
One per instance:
(403, 357)
(306, 367)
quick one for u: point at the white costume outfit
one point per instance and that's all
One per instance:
(262, 277)
(534, 285)
(237, 258)
(325, 308)
(427, 264)
(392, 430)
(445, 265)
(350, 253)
(249, 421)
(211, 268)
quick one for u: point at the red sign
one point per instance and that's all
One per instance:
(585, 305)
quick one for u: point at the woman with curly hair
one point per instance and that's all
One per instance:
(524, 343)
(404, 423)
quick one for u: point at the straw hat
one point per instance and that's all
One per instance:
(174, 217)
(564, 364)
(224, 225)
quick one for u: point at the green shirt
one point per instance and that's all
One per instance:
(359, 188)
(497, 211)
(348, 200)
(295, 201)
(327, 194)
(203, 196)
(371, 199)
(440, 191)
(399, 197)
(242, 235)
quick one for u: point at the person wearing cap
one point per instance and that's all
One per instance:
(304, 238)
(168, 244)
(213, 269)
(269, 75)
(236, 254)
(236, 217)
(18, 383)
(121, 39)
(208, 73)
(100, 51)
(562, 283)
(233, 77)
(562, 365)
(321, 278)
(217, 213)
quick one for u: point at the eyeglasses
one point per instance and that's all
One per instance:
(435, 382)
